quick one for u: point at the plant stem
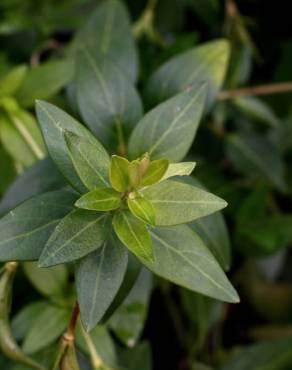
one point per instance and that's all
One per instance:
(96, 361)
(275, 88)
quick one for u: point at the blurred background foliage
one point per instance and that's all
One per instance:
(243, 150)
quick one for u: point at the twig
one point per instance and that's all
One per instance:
(47, 45)
(276, 88)
(96, 361)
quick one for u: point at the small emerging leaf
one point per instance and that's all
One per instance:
(141, 208)
(155, 172)
(133, 234)
(119, 173)
(134, 174)
(100, 199)
(179, 169)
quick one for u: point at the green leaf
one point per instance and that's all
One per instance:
(49, 282)
(204, 63)
(255, 156)
(270, 355)
(25, 318)
(133, 234)
(181, 257)
(128, 320)
(21, 137)
(90, 161)
(257, 109)
(155, 172)
(169, 129)
(98, 279)
(139, 357)
(141, 208)
(119, 173)
(177, 203)
(179, 169)
(10, 82)
(108, 32)
(107, 100)
(25, 230)
(47, 327)
(31, 182)
(78, 234)
(53, 123)
(100, 199)
(43, 81)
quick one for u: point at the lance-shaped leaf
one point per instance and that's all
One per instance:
(78, 234)
(90, 161)
(177, 203)
(46, 328)
(54, 122)
(119, 173)
(204, 63)
(100, 199)
(133, 234)
(141, 208)
(155, 172)
(25, 230)
(108, 102)
(179, 169)
(98, 278)
(181, 257)
(108, 32)
(168, 130)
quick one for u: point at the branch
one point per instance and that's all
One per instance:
(276, 88)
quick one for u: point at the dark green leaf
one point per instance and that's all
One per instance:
(181, 257)
(169, 129)
(25, 230)
(108, 102)
(177, 203)
(78, 234)
(98, 278)
(204, 63)
(91, 161)
(54, 122)
(133, 234)
(100, 199)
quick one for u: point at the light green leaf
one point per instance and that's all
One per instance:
(128, 320)
(257, 109)
(90, 161)
(53, 123)
(21, 137)
(49, 282)
(107, 100)
(47, 327)
(181, 257)
(179, 169)
(119, 173)
(98, 278)
(141, 208)
(177, 203)
(108, 32)
(100, 199)
(133, 234)
(155, 172)
(78, 234)
(257, 157)
(169, 129)
(204, 63)
(25, 230)
(43, 81)
(10, 82)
